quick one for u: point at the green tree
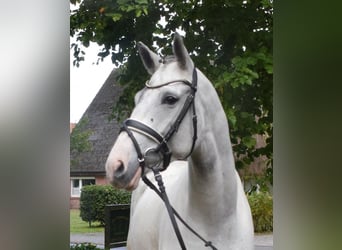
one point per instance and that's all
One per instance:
(229, 40)
(79, 139)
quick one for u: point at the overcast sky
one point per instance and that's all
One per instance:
(86, 80)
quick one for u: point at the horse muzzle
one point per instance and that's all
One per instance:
(122, 167)
(120, 176)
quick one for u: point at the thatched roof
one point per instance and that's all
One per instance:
(103, 131)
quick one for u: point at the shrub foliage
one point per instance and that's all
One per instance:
(261, 204)
(84, 246)
(94, 198)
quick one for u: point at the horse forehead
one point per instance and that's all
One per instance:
(168, 73)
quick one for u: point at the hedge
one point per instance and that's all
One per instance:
(94, 198)
(84, 246)
(261, 204)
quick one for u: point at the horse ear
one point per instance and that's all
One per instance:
(149, 58)
(181, 53)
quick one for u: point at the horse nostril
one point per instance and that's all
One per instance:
(120, 170)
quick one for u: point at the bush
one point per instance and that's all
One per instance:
(94, 198)
(261, 204)
(84, 246)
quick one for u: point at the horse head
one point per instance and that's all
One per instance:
(161, 127)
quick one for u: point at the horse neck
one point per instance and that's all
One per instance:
(212, 177)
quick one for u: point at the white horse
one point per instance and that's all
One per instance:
(206, 189)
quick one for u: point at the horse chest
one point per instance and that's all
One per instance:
(150, 225)
(151, 228)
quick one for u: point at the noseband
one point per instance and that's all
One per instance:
(158, 159)
(153, 157)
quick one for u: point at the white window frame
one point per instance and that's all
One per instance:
(73, 191)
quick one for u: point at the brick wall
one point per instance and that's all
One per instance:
(101, 180)
(72, 126)
(74, 203)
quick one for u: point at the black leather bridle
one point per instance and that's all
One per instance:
(158, 159)
(153, 157)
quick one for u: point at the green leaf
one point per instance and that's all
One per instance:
(130, 8)
(122, 2)
(251, 60)
(254, 74)
(231, 117)
(269, 68)
(249, 81)
(145, 11)
(235, 84)
(249, 141)
(116, 17)
(138, 13)
(245, 114)
(141, 2)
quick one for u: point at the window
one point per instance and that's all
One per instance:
(75, 187)
(78, 183)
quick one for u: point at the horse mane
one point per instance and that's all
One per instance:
(167, 59)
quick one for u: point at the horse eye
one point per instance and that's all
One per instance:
(170, 100)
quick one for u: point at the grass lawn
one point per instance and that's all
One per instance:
(77, 225)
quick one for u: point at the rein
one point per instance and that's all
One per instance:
(153, 157)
